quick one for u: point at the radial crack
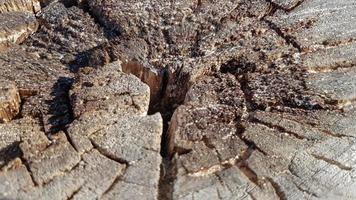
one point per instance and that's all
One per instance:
(288, 38)
(332, 162)
(277, 188)
(108, 155)
(75, 192)
(281, 129)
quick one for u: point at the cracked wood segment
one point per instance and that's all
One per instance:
(270, 142)
(68, 33)
(286, 4)
(32, 6)
(204, 135)
(330, 58)
(31, 73)
(111, 116)
(135, 135)
(187, 38)
(82, 182)
(318, 22)
(11, 134)
(267, 140)
(250, 127)
(46, 170)
(229, 183)
(9, 101)
(207, 120)
(15, 27)
(287, 88)
(110, 90)
(14, 179)
(333, 166)
(338, 86)
(281, 122)
(56, 159)
(324, 156)
(325, 30)
(135, 140)
(102, 97)
(43, 85)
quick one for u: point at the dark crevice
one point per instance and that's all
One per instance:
(337, 135)
(305, 191)
(108, 155)
(251, 144)
(332, 162)
(157, 104)
(280, 129)
(110, 32)
(9, 153)
(60, 107)
(69, 139)
(249, 173)
(167, 116)
(277, 188)
(250, 104)
(275, 7)
(240, 68)
(168, 165)
(165, 78)
(168, 39)
(168, 175)
(27, 165)
(242, 163)
(74, 193)
(288, 38)
(296, 5)
(195, 47)
(166, 108)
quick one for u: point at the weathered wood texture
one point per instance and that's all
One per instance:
(256, 100)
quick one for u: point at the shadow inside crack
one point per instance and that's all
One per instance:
(9, 153)
(60, 110)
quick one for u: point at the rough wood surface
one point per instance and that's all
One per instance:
(173, 100)
(15, 27)
(32, 6)
(9, 101)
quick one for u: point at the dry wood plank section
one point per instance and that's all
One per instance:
(31, 6)
(338, 85)
(178, 100)
(15, 27)
(9, 101)
(60, 162)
